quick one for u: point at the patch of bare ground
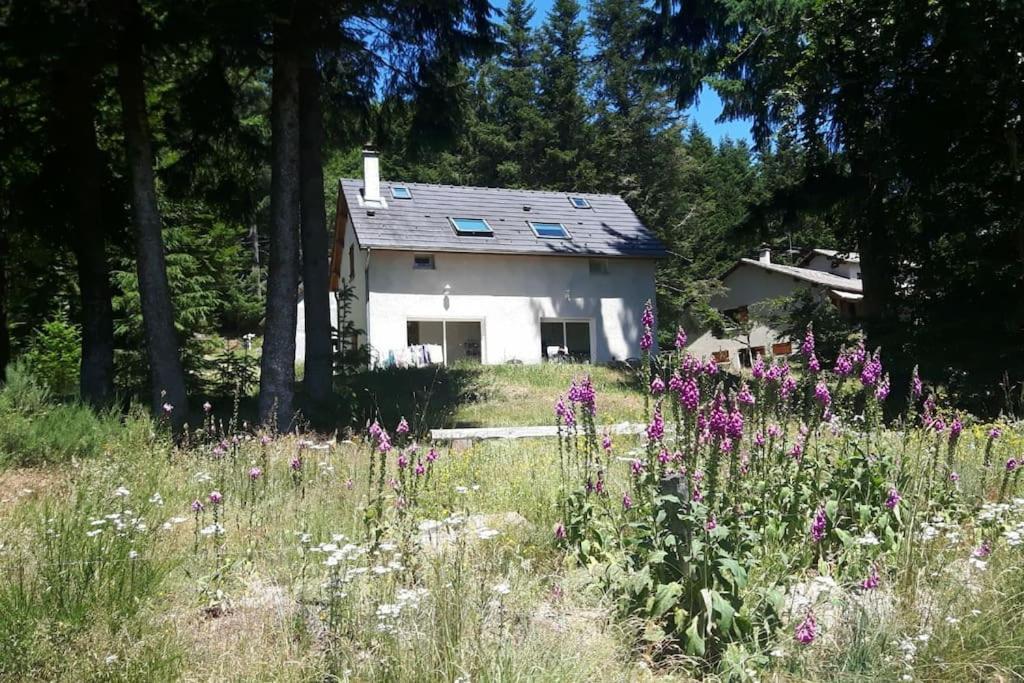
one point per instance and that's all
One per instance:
(252, 636)
(20, 484)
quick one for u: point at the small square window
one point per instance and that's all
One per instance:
(579, 202)
(401, 192)
(471, 226)
(423, 262)
(550, 230)
(599, 266)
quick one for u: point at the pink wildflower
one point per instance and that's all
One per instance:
(216, 498)
(403, 427)
(807, 630)
(627, 501)
(255, 473)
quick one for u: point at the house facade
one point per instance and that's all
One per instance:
(829, 274)
(442, 273)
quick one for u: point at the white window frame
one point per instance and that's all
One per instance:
(403, 187)
(586, 202)
(533, 226)
(563, 321)
(470, 233)
(444, 333)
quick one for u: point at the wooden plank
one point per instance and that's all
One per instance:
(541, 431)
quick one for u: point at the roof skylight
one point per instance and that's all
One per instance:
(471, 226)
(549, 230)
(579, 202)
(401, 192)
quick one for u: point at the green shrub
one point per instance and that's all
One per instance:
(35, 429)
(55, 353)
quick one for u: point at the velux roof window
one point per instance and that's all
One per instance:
(549, 230)
(579, 202)
(471, 226)
(401, 192)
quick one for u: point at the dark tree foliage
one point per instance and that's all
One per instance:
(909, 116)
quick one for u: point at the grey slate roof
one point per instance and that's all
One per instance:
(608, 228)
(816, 277)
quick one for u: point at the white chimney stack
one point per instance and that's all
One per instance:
(371, 175)
(766, 254)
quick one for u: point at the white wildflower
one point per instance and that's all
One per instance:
(502, 588)
(94, 533)
(122, 492)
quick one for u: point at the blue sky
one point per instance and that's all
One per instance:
(704, 112)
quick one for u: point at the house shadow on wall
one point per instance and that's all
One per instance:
(427, 398)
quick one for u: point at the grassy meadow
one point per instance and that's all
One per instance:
(242, 555)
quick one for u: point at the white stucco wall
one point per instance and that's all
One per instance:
(824, 264)
(749, 284)
(509, 295)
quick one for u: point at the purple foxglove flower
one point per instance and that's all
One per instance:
(955, 427)
(606, 443)
(657, 386)
(375, 430)
(349, 484)
(636, 467)
(796, 451)
(757, 369)
(711, 367)
(711, 523)
(806, 630)
(745, 396)
(627, 502)
(296, 464)
(647, 317)
(788, 387)
(1011, 464)
(265, 440)
(384, 442)
(982, 551)
(680, 338)
(893, 499)
(216, 498)
(403, 462)
(432, 454)
(995, 433)
(954, 477)
(656, 429)
(844, 365)
(872, 580)
(822, 395)
(759, 439)
(807, 346)
(420, 469)
(774, 431)
(819, 525)
(813, 364)
(560, 531)
(916, 388)
(882, 390)
(255, 473)
(725, 445)
(403, 427)
(734, 427)
(646, 340)
(197, 505)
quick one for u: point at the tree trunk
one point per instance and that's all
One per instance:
(277, 367)
(318, 373)
(5, 337)
(166, 374)
(77, 147)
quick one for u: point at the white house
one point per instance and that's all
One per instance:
(442, 273)
(830, 274)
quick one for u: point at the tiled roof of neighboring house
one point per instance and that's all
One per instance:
(608, 228)
(815, 277)
(844, 256)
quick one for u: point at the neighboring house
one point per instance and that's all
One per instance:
(492, 275)
(830, 274)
